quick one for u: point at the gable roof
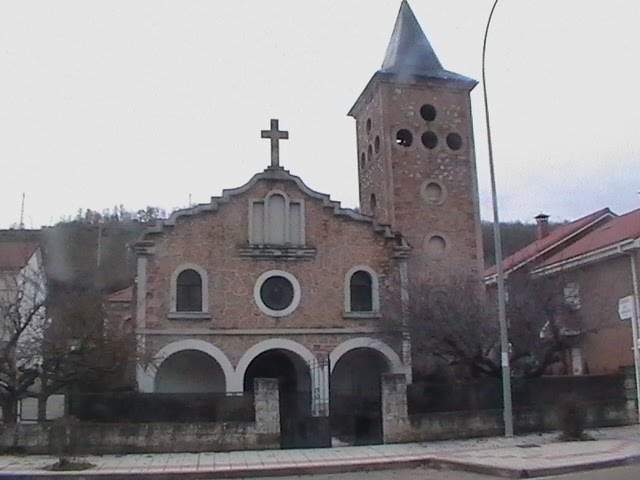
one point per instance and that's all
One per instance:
(618, 229)
(273, 173)
(556, 238)
(16, 254)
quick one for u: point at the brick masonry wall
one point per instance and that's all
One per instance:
(396, 175)
(608, 345)
(213, 241)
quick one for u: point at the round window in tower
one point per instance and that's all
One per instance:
(430, 140)
(277, 293)
(433, 192)
(404, 138)
(428, 112)
(454, 141)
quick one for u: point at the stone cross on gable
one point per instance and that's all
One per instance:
(275, 135)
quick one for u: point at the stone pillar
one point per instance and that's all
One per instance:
(320, 388)
(630, 394)
(267, 404)
(395, 417)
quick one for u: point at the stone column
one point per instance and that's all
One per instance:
(267, 404)
(395, 417)
(320, 388)
(630, 393)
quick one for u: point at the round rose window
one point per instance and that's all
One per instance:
(276, 293)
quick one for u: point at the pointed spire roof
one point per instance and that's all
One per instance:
(409, 51)
(411, 58)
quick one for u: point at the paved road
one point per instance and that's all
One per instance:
(619, 473)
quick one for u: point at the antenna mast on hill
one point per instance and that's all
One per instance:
(21, 224)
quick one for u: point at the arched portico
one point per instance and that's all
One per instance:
(391, 357)
(147, 376)
(318, 375)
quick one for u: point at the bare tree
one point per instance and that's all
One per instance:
(457, 325)
(40, 356)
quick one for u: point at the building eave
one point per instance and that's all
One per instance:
(610, 251)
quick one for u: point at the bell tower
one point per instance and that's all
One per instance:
(416, 159)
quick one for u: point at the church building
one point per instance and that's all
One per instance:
(273, 279)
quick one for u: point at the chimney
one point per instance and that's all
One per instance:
(542, 227)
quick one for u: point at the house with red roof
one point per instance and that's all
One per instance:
(596, 260)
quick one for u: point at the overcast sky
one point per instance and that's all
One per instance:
(145, 102)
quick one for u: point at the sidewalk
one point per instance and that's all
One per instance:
(520, 457)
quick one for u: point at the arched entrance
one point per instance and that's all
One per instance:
(356, 402)
(190, 371)
(294, 380)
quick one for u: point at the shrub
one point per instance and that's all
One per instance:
(573, 419)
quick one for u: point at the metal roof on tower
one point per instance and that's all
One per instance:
(410, 58)
(409, 52)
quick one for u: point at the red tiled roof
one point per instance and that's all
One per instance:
(15, 254)
(557, 235)
(124, 295)
(620, 228)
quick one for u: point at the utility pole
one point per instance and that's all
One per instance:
(502, 314)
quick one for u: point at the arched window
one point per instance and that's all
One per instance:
(360, 288)
(189, 291)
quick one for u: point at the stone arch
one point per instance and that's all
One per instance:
(261, 347)
(173, 296)
(147, 377)
(391, 357)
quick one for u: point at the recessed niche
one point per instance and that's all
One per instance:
(428, 112)
(433, 192)
(368, 125)
(404, 138)
(373, 202)
(362, 160)
(436, 246)
(376, 144)
(454, 141)
(430, 140)
(370, 152)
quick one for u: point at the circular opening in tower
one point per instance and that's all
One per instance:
(368, 125)
(454, 141)
(376, 144)
(404, 138)
(430, 140)
(428, 112)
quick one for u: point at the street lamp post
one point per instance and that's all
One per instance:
(502, 316)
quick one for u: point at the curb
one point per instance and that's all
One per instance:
(344, 466)
(505, 472)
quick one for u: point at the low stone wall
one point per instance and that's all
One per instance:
(114, 438)
(398, 426)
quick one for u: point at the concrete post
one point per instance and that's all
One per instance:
(395, 417)
(630, 394)
(267, 404)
